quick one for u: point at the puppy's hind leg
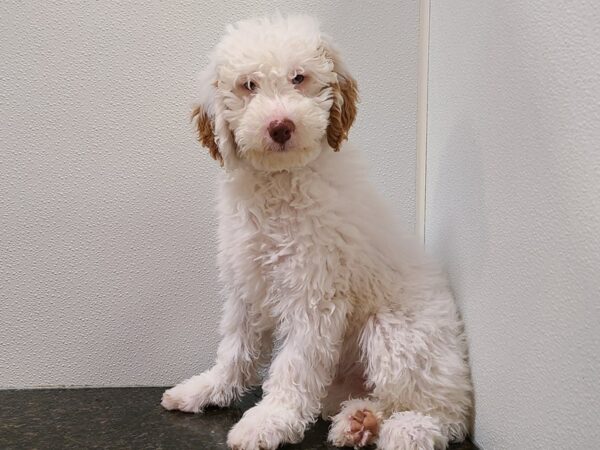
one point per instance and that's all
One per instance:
(420, 381)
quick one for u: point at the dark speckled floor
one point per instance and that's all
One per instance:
(122, 418)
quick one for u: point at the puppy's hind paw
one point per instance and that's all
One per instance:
(357, 425)
(364, 427)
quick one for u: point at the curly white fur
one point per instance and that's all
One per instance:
(312, 261)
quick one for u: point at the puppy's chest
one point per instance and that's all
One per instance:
(283, 213)
(289, 215)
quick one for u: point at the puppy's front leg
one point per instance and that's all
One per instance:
(311, 336)
(244, 332)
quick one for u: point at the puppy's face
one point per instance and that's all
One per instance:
(278, 95)
(278, 108)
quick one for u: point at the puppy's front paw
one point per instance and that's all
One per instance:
(194, 394)
(264, 428)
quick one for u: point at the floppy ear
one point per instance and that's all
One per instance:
(206, 134)
(342, 112)
(207, 116)
(345, 98)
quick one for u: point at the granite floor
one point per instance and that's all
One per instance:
(122, 418)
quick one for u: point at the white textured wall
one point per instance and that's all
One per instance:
(513, 203)
(107, 248)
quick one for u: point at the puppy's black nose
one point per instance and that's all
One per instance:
(281, 130)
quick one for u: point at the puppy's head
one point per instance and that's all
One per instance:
(274, 95)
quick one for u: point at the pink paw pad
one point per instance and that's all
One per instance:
(364, 427)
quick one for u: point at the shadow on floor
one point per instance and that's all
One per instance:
(123, 418)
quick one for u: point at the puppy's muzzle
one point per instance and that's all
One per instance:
(281, 130)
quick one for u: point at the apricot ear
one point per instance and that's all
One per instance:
(206, 134)
(343, 110)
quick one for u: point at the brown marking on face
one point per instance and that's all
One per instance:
(343, 111)
(206, 136)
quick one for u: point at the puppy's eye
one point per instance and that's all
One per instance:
(298, 79)
(250, 85)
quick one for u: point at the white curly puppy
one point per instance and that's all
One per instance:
(316, 274)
